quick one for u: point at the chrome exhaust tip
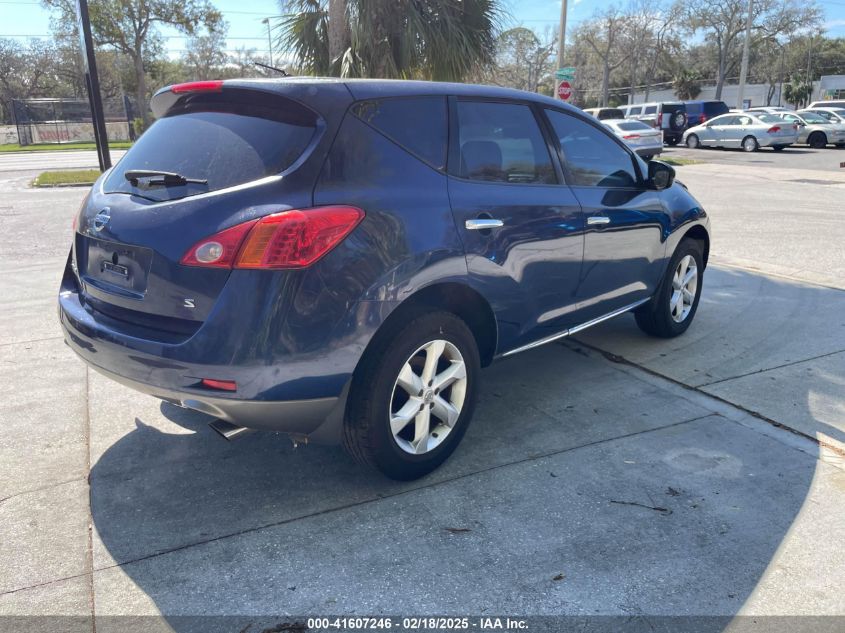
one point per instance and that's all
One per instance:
(227, 430)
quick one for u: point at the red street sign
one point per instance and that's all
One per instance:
(564, 90)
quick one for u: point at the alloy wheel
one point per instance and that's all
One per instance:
(428, 397)
(684, 287)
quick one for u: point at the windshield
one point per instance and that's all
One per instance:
(809, 117)
(225, 148)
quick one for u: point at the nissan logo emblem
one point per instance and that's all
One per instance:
(102, 218)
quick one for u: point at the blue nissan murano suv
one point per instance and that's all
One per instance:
(337, 259)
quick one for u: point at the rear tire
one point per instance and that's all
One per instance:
(817, 140)
(693, 142)
(749, 144)
(778, 148)
(407, 435)
(672, 140)
(663, 316)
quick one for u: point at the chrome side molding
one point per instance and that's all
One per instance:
(577, 328)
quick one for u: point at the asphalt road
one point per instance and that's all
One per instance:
(42, 161)
(611, 474)
(797, 157)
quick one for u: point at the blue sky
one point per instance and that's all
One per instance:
(27, 18)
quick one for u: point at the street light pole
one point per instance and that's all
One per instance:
(743, 72)
(561, 40)
(269, 38)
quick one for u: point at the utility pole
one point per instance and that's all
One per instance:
(561, 40)
(810, 69)
(269, 38)
(92, 83)
(743, 72)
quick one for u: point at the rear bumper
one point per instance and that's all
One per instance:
(649, 151)
(301, 393)
(770, 141)
(299, 417)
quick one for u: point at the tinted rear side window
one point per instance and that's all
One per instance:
(224, 142)
(418, 124)
(715, 108)
(635, 111)
(650, 110)
(502, 142)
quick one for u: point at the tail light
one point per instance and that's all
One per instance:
(290, 239)
(631, 136)
(219, 250)
(703, 119)
(215, 85)
(773, 129)
(220, 385)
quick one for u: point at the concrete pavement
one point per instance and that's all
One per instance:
(591, 482)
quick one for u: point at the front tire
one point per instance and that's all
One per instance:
(749, 144)
(817, 140)
(672, 308)
(413, 396)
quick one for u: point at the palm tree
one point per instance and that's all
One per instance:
(441, 40)
(797, 91)
(686, 84)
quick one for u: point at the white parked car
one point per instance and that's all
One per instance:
(749, 131)
(643, 139)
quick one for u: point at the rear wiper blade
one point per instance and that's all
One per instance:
(154, 177)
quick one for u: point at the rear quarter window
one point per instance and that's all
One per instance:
(226, 142)
(418, 124)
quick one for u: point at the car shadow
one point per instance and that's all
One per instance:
(206, 528)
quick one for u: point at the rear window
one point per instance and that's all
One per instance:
(696, 108)
(224, 142)
(674, 107)
(769, 118)
(629, 126)
(611, 113)
(419, 124)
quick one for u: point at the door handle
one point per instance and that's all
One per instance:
(598, 219)
(480, 224)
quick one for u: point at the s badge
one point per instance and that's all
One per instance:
(189, 303)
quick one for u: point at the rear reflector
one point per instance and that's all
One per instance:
(198, 86)
(221, 385)
(631, 136)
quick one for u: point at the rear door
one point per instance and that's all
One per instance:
(522, 229)
(625, 221)
(132, 235)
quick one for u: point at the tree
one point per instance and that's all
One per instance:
(206, 54)
(797, 91)
(425, 39)
(603, 34)
(128, 26)
(522, 60)
(686, 84)
(723, 25)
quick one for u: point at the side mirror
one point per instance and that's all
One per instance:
(660, 175)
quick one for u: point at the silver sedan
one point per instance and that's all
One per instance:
(815, 130)
(749, 131)
(643, 139)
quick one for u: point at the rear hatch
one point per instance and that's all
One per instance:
(228, 148)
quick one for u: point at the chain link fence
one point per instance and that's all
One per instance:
(37, 121)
